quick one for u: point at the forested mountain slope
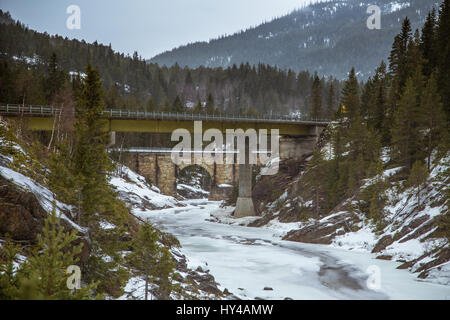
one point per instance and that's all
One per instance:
(329, 37)
(28, 59)
(379, 179)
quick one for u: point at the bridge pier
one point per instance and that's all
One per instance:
(112, 139)
(244, 203)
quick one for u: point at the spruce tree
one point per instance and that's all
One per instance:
(397, 58)
(428, 43)
(350, 97)
(91, 160)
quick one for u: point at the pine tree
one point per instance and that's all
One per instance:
(407, 136)
(377, 199)
(316, 178)
(143, 258)
(164, 273)
(374, 102)
(55, 252)
(443, 49)
(43, 275)
(434, 117)
(61, 178)
(178, 105)
(210, 104)
(9, 278)
(96, 202)
(316, 99)
(151, 105)
(331, 101)
(166, 105)
(55, 79)
(443, 181)
(150, 261)
(198, 109)
(417, 179)
(381, 107)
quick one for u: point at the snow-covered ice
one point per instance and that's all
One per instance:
(245, 260)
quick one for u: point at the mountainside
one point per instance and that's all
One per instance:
(414, 236)
(28, 56)
(329, 38)
(26, 200)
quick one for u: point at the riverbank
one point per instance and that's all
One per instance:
(254, 263)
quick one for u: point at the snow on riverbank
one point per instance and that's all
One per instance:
(142, 198)
(133, 189)
(404, 231)
(247, 260)
(255, 263)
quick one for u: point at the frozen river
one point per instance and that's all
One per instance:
(254, 263)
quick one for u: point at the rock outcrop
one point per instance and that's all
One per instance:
(21, 215)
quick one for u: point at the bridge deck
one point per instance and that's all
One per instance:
(170, 151)
(41, 118)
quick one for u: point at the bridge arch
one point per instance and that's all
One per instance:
(194, 181)
(207, 168)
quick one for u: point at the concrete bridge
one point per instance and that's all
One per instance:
(297, 138)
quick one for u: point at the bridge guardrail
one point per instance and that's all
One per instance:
(48, 111)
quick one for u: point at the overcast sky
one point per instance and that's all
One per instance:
(148, 26)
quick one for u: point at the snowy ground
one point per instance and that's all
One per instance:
(248, 260)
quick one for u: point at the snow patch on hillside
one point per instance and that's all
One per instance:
(133, 189)
(362, 240)
(45, 197)
(396, 6)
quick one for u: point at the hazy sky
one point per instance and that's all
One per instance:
(148, 26)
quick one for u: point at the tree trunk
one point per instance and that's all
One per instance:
(317, 203)
(146, 288)
(429, 145)
(418, 197)
(53, 133)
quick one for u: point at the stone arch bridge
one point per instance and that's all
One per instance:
(297, 138)
(158, 166)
